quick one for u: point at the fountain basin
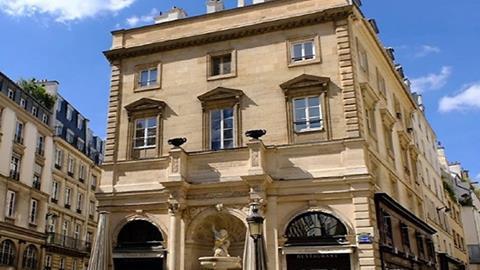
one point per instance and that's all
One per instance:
(221, 263)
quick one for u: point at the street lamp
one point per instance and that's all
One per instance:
(255, 228)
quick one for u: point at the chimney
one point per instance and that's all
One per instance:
(215, 6)
(50, 86)
(174, 14)
(465, 174)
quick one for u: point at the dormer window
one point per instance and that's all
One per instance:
(11, 94)
(69, 112)
(35, 111)
(23, 103)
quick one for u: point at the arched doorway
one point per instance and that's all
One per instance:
(139, 246)
(315, 240)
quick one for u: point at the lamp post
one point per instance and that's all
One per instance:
(255, 228)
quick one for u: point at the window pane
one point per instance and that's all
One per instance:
(297, 52)
(141, 124)
(299, 126)
(216, 66)
(143, 78)
(228, 134)
(216, 115)
(228, 123)
(151, 132)
(227, 113)
(153, 75)
(315, 123)
(309, 53)
(140, 133)
(313, 101)
(228, 144)
(215, 145)
(139, 142)
(227, 64)
(152, 122)
(151, 141)
(314, 112)
(299, 103)
(300, 115)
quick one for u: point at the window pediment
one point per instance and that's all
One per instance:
(305, 81)
(145, 105)
(220, 93)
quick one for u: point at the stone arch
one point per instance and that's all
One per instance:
(200, 237)
(295, 213)
(135, 217)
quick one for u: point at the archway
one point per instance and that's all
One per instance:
(139, 246)
(316, 239)
(200, 236)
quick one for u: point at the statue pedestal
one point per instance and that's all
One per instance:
(220, 263)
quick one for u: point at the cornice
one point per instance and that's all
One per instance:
(228, 34)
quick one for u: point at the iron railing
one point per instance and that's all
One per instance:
(60, 240)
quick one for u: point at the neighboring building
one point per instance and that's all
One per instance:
(72, 217)
(347, 173)
(26, 148)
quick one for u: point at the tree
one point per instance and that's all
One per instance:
(37, 91)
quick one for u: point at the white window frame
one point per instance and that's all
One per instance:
(55, 189)
(62, 263)
(15, 166)
(68, 196)
(59, 104)
(33, 211)
(94, 181)
(58, 128)
(23, 103)
(91, 207)
(145, 133)
(45, 118)
(34, 111)
(71, 165)
(80, 121)
(222, 128)
(48, 261)
(150, 81)
(11, 94)
(69, 113)
(70, 136)
(19, 130)
(80, 198)
(303, 56)
(10, 204)
(221, 64)
(40, 143)
(307, 118)
(59, 157)
(80, 144)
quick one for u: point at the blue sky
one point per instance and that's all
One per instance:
(435, 41)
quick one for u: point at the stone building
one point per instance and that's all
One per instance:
(26, 147)
(72, 216)
(337, 173)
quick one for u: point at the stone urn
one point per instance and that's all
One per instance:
(220, 263)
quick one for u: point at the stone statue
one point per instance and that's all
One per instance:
(222, 243)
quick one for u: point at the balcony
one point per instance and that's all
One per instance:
(63, 241)
(15, 175)
(70, 174)
(58, 166)
(79, 211)
(40, 151)
(67, 206)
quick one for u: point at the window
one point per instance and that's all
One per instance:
(82, 171)
(7, 253)
(77, 232)
(52, 227)
(148, 77)
(68, 197)
(307, 114)
(88, 239)
(62, 264)
(23, 103)
(387, 228)
(74, 264)
(145, 132)
(37, 175)
(371, 120)
(19, 133)
(388, 140)
(10, 207)
(362, 57)
(420, 246)
(222, 129)
(80, 121)
(92, 209)
(11, 94)
(58, 158)
(303, 50)
(381, 83)
(40, 145)
(71, 166)
(70, 136)
(65, 228)
(34, 111)
(221, 64)
(94, 182)
(48, 262)
(30, 258)
(55, 189)
(58, 128)
(15, 167)
(69, 113)
(405, 235)
(79, 202)
(45, 119)
(80, 144)
(33, 211)
(59, 103)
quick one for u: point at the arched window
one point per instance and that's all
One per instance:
(315, 228)
(7, 253)
(139, 233)
(30, 258)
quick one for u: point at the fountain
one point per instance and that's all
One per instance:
(221, 259)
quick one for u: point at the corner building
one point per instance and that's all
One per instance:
(338, 117)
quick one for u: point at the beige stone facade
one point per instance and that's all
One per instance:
(355, 139)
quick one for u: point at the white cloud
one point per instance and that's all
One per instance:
(431, 81)
(425, 50)
(63, 10)
(145, 19)
(468, 98)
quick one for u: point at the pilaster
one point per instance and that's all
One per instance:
(114, 110)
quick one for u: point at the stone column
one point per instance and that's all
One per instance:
(174, 235)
